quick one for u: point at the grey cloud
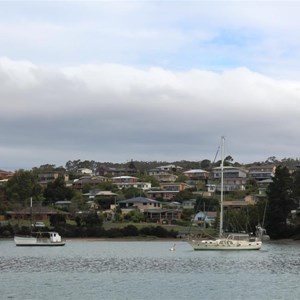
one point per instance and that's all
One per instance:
(118, 113)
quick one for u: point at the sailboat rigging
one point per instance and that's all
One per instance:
(233, 241)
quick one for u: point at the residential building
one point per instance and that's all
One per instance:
(234, 178)
(85, 171)
(262, 172)
(205, 219)
(91, 181)
(5, 174)
(163, 216)
(130, 182)
(97, 194)
(140, 203)
(196, 174)
(169, 168)
(162, 175)
(189, 204)
(41, 213)
(167, 191)
(50, 176)
(161, 194)
(110, 172)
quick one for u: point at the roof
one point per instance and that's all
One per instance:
(124, 177)
(36, 210)
(100, 193)
(195, 171)
(139, 200)
(63, 202)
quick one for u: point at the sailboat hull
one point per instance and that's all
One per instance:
(226, 244)
(198, 246)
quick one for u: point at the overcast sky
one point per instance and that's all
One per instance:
(148, 80)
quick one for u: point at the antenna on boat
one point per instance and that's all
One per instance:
(222, 185)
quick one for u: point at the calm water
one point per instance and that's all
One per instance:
(147, 270)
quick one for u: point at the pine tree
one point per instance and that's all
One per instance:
(280, 203)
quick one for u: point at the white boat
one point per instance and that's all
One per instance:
(49, 238)
(233, 241)
(40, 238)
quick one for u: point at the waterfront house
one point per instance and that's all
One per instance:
(163, 216)
(38, 213)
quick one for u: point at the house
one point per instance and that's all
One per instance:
(263, 186)
(205, 219)
(262, 172)
(161, 194)
(99, 194)
(47, 177)
(177, 186)
(163, 216)
(85, 171)
(169, 168)
(41, 213)
(5, 174)
(189, 204)
(234, 178)
(140, 203)
(196, 174)
(124, 179)
(107, 171)
(162, 175)
(130, 182)
(91, 181)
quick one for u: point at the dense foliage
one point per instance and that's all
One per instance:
(280, 203)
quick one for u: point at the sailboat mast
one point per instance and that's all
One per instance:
(222, 186)
(31, 212)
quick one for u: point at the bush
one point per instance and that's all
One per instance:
(130, 230)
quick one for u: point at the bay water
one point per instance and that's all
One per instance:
(96, 269)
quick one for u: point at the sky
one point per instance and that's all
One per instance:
(114, 81)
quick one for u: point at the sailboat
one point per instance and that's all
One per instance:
(233, 241)
(50, 238)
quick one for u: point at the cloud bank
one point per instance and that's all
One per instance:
(113, 112)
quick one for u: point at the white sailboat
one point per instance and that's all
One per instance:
(50, 238)
(233, 241)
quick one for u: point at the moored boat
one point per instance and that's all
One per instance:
(49, 238)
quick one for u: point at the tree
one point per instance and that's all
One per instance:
(280, 203)
(57, 220)
(133, 192)
(22, 186)
(57, 191)
(296, 186)
(205, 164)
(251, 186)
(181, 178)
(183, 195)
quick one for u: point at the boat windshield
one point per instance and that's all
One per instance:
(239, 237)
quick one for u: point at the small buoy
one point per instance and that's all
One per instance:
(172, 248)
